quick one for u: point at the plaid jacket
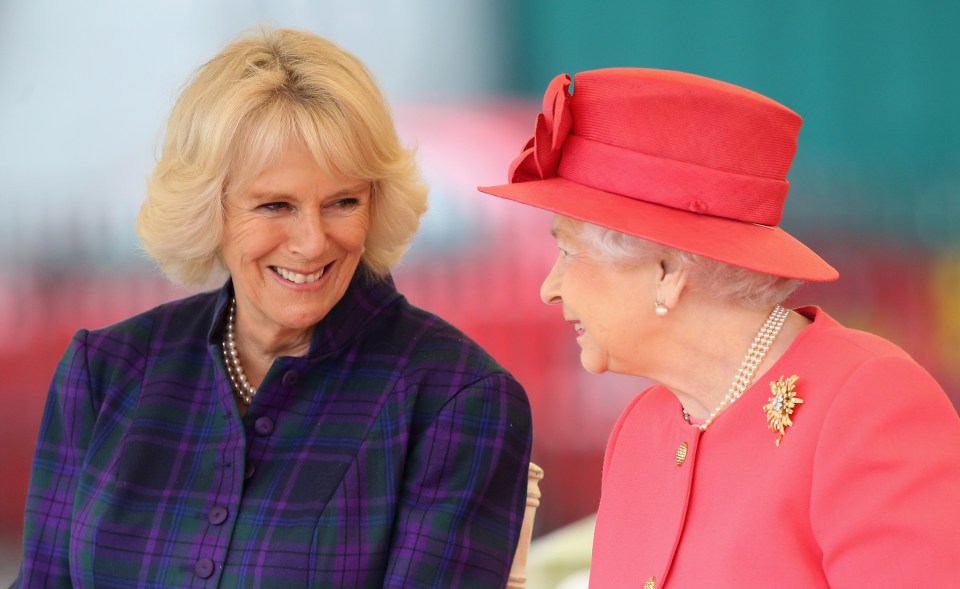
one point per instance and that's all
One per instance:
(393, 455)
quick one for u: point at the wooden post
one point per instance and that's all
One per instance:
(518, 572)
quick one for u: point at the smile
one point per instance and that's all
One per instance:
(296, 277)
(577, 327)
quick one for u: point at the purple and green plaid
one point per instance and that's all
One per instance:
(393, 455)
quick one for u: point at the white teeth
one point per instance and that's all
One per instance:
(296, 277)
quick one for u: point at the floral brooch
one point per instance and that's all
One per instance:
(782, 404)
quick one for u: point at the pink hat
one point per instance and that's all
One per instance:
(678, 159)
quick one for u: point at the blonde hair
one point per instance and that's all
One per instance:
(261, 93)
(720, 280)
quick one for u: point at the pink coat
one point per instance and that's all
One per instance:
(863, 490)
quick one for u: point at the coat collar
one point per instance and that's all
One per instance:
(365, 298)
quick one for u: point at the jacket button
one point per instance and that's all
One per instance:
(290, 378)
(217, 515)
(263, 426)
(681, 453)
(651, 583)
(204, 568)
(248, 473)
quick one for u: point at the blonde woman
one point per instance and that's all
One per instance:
(302, 426)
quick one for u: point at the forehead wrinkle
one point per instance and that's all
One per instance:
(356, 190)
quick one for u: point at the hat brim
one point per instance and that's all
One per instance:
(769, 250)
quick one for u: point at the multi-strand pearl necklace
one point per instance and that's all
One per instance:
(755, 355)
(238, 379)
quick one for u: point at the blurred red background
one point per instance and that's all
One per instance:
(86, 87)
(478, 263)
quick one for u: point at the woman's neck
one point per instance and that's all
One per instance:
(259, 345)
(707, 346)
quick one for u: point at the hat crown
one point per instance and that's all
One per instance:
(686, 118)
(682, 160)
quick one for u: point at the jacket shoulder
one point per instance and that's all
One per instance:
(173, 323)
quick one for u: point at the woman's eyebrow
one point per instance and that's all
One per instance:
(284, 195)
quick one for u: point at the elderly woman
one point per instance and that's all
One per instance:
(778, 448)
(303, 425)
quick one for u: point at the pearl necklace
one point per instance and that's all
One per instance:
(755, 355)
(238, 379)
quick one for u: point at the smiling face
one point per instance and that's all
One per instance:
(608, 305)
(292, 239)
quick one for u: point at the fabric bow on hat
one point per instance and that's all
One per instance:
(541, 154)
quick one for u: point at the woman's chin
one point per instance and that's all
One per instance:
(591, 363)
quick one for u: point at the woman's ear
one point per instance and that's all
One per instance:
(671, 281)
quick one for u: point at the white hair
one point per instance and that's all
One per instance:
(718, 279)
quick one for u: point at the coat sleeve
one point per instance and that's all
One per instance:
(65, 430)
(464, 493)
(886, 481)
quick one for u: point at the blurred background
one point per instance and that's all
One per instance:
(85, 89)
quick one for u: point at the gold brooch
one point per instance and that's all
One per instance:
(781, 405)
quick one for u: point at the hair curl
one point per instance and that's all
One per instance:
(238, 113)
(720, 280)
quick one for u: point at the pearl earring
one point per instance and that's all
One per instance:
(660, 309)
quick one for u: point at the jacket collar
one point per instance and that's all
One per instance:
(365, 298)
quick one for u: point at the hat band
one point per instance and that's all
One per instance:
(672, 183)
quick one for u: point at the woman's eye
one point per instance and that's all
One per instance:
(344, 204)
(274, 206)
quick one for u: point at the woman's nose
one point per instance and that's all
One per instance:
(550, 289)
(308, 237)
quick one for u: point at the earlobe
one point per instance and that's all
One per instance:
(671, 283)
(659, 307)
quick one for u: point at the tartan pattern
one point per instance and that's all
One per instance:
(393, 455)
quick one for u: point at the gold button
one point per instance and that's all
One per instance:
(651, 583)
(681, 454)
